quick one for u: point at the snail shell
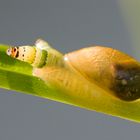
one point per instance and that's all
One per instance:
(107, 67)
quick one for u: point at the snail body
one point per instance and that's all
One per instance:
(109, 68)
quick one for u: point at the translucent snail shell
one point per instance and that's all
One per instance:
(113, 69)
(110, 68)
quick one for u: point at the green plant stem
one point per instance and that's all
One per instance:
(17, 75)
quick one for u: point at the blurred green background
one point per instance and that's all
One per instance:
(130, 11)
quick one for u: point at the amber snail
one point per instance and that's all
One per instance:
(114, 70)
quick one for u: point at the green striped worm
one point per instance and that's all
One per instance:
(39, 55)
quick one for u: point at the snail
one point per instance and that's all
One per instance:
(117, 72)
